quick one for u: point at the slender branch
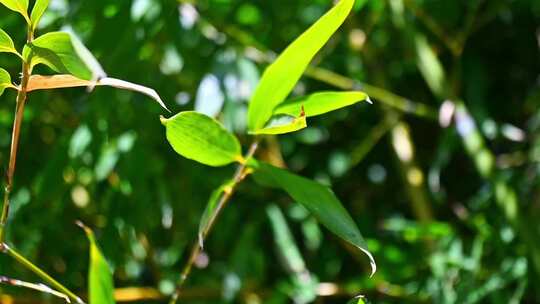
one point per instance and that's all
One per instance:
(38, 287)
(261, 54)
(239, 176)
(39, 272)
(453, 44)
(4, 248)
(19, 113)
(372, 138)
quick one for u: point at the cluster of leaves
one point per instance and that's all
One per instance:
(64, 54)
(203, 139)
(197, 136)
(100, 159)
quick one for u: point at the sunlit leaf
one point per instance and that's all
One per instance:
(6, 43)
(211, 208)
(85, 55)
(320, 103)
(100, 281)
(20, 6)
(5, 81)
(358, 300)
(37, 12)
(284, 239)
(203, 139)
(430, 66)
(40, 82)
(56, 50)
(318, 199)
(281, 76)
(304, 285)
(293, 125)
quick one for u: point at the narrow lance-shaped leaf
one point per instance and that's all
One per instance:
(37, 12)
(318, 199)
(281, 76)
(358, 300)
(20, 6)
(100, 281)
(292, 125)
(56, 50)
(285, 241)
(430, 66)
(305, 285)
(211, 208)
(6, 43)
(5, 81)
(320, 103)
(40, 82)
(203, 139)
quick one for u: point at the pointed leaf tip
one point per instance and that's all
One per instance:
(163, 120)
(279, 78)
(40, 82)
(318, 199)
(5, 81)
(320, 103)
(100, 280)
(6, 43)
(39, 9)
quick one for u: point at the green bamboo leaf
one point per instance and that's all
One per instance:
(20, 6)
(211, 208)
(56, 50)
(284, 239)
(429, 65)
(358, 300)
(37, 12)
(293, 125)
(100, 281)
(304, 285)
(281, 76)
(320, 103)
(5, 81)
(203, 139)
(318, 199)
(6, 43)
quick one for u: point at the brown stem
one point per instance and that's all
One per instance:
(239, 176)
(19, 113)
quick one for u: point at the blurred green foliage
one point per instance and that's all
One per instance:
(431, 202)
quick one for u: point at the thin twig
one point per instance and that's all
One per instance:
(38, 287)
(452, 44)
(4, 248)
(372, 138)
(39, 272)
(239, 176)
(19, 111)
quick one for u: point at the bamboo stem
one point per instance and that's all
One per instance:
(39, 272)
(19, 113)
(239, 176)
(16, 132)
